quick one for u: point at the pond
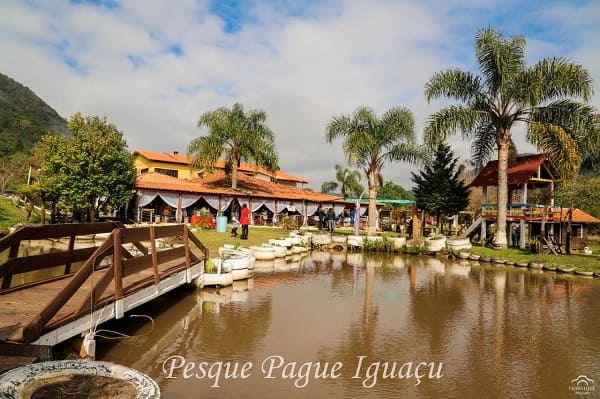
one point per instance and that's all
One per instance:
(372, 326)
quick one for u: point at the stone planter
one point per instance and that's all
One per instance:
(457, 244)
(103, 379)
(435, 244)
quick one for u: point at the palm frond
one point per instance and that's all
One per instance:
(454, 83)
(339, 126)
(580, 120)
(410, 152)
(499, 58)
(484, 144)
(450, 120)
(557, 78)
(560, 148)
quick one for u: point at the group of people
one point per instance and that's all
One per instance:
(244, 221)
(326, 219)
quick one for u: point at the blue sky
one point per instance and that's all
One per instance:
(153, 67)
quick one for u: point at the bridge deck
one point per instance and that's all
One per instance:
(19, 308)
(122, 272)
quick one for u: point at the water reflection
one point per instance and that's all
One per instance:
(497, 331)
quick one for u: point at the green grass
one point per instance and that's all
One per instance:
(10, 214)
(577, 260)
(256, 236)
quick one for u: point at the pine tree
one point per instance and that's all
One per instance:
(439, 191)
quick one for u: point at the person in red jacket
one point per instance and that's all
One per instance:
(244, 221)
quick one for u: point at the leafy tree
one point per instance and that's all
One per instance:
(13, 171)
(582, 192)
(507, 92)
(439, 190)
(370, 142)
(391, 190)
(237, 137)
(91, 169)
(347, 179)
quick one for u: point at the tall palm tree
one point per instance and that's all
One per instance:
(347, 180)
(508, 92)
(370, 142)
(237, 137)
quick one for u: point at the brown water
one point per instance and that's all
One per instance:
(445, 329)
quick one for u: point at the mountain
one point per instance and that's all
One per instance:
(24, 117)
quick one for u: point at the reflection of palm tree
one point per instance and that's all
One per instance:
(360, 338)
(215, 333)
(435, 306)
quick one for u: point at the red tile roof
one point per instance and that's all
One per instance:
(220, 164)
(518, 173)
(579, 216)
(221, 184)
(163, 157)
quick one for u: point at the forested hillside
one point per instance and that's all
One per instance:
(24, 117)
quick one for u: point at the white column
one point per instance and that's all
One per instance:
(522, 224)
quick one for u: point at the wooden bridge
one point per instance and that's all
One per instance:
(50, 297)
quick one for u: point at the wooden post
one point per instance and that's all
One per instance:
(118, 264)
(483, 231)
(186, 245)
(415, 222)
(13, 253)
(154, 255)
(70, 254)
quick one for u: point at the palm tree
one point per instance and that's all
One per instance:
(237, 137)
(507, 92)
(370, 142)
(347, 179)
(329, 187)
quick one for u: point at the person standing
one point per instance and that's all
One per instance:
(331, 219)
(244, 221)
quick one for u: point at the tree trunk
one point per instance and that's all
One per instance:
(92, 214)
(43, 212)
(234, 170)
(372, 210)
(569, 230)
(500, 240)
(372, 228)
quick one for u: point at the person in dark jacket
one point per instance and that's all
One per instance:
(331, 220)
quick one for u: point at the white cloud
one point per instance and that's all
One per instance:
(302, 70)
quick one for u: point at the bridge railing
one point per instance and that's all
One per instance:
(125, 252)
(65, 258)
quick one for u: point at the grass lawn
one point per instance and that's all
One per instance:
(9, 214)
(576, 259)
(257, 235)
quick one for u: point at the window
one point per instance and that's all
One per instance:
(168, 172)
(143, 171)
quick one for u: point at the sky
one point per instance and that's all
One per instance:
(153, 67)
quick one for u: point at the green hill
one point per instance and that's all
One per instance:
(24, 117)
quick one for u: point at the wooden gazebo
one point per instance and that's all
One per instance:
(526, 172)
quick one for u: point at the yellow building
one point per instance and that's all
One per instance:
(179, 166)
